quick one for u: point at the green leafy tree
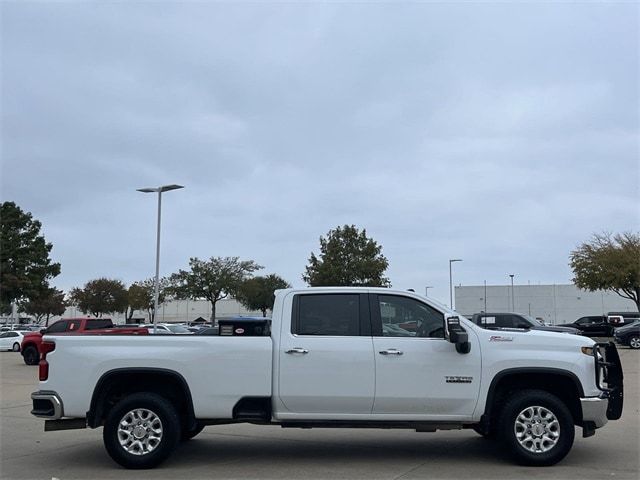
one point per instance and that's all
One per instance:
(347, 258)
(141, 296)
(212, 279)
(100, 296)
(47, 302)
(609, 262)
(258, 293)
(25, 266)
(138, 298)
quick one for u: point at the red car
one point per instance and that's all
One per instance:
(30, 347)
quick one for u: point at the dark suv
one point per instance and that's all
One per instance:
(516, 320)
(592, 326)
(628, 335)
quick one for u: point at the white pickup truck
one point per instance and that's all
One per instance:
(334, 357)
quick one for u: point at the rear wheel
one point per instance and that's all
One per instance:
(30, 355)
(634, 341)
(537, 427)
(141, 430)
(16, 347)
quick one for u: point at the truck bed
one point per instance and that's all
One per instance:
(218, 370)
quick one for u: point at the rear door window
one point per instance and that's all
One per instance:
(98, 323)
(327, 314)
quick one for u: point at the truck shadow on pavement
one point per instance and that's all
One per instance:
(216, 448)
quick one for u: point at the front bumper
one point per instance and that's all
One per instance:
(47, 405)
(594, 409)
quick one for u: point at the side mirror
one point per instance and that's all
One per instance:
(43, 331)
(457, 335)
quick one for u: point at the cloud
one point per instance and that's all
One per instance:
(502, 134)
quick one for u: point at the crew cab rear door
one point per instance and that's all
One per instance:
(418, 372)
(326, 361)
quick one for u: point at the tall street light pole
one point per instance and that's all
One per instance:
(159, 191)
(451, 281)
(513, 302)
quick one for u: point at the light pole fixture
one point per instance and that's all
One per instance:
(451, 281)
(159, 191)
(426, 290)
(513, 302)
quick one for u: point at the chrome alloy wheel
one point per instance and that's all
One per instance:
(140, 431)
(634, 342)
(537, 429)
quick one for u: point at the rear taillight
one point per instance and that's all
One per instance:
(45, 347)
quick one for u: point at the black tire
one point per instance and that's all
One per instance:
(30, 355)
(634, 341)
(161, 449)
(189, 434)
(16, 347)
(541, 402)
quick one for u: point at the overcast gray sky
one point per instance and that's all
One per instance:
(502, 134)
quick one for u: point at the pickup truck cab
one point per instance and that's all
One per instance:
(330, 359)
(31, 342)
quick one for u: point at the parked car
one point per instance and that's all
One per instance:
(31, 343)
(169, 329)
(622, 318)
(328, 362)
(496, 321)
(628, 335)
(11, 340)
(207, 331)
(592, 326)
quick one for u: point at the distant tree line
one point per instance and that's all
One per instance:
(347, 257)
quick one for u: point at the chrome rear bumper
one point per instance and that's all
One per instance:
(47, 405)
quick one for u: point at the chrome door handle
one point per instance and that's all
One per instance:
(391, 351)
(297, 350)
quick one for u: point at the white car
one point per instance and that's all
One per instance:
(169, 329)
(11, 340)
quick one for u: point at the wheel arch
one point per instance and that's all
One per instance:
(562, 383)
(119, 382)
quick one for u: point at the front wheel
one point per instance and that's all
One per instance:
(537, 428)
(16, 347)
(30, 355)
(634, 342)
(141, 430)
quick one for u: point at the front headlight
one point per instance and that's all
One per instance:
(587, 351)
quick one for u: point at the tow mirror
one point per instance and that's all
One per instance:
(457, 335)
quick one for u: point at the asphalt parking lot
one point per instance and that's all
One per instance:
(247, 451)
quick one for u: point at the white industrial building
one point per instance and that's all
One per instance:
(552, 303)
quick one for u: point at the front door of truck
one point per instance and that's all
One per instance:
(418, 372)
(326, 361)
